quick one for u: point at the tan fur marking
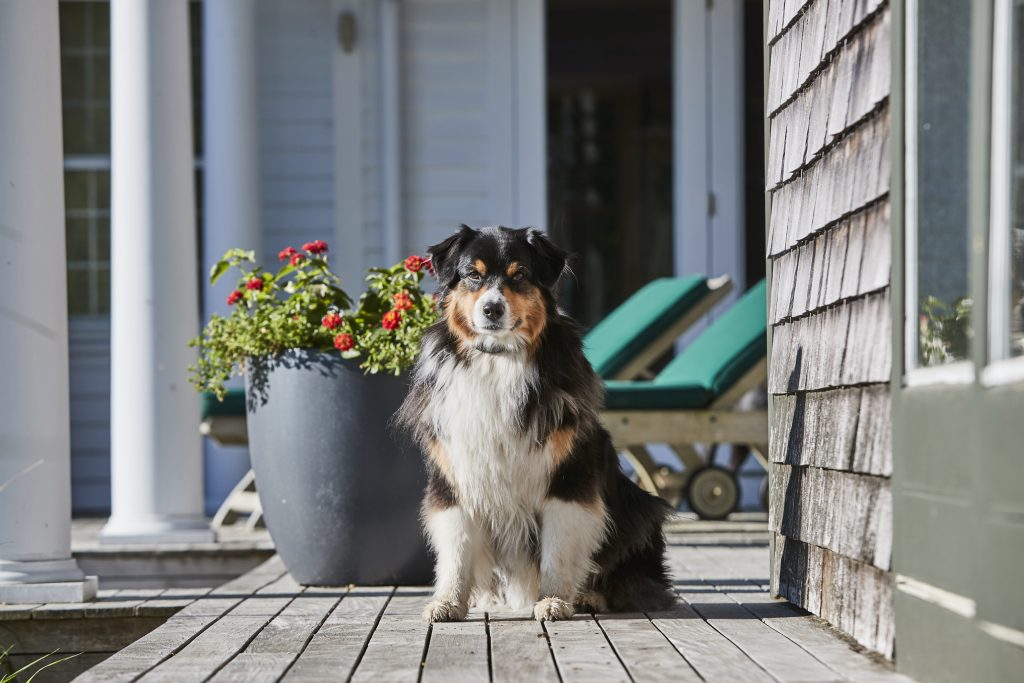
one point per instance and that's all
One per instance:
(512, 269)
(528, 309)
(439, 456)
(561, 441)
(459, 311)
(480, 266)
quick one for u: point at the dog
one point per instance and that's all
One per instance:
(525, 502)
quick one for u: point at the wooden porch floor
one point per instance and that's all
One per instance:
(262, 626)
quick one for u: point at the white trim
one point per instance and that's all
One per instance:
(87, 162)
(1003, 633)
(960, 372)
(999, 182)
(1002, 372)
(940, 597)
(391, 127)
(911, 330)
(707, 135)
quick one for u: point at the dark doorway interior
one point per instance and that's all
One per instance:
(609, 70)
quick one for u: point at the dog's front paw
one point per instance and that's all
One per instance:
(552, 609)
(444, 610)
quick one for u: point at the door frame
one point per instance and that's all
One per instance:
(708, 196)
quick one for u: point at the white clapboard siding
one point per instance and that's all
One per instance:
(829, 308)
(467, 142)
(295, 43)
(89, 346)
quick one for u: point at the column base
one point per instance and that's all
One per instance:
(39, 581)
(60, 591)
(158, 531)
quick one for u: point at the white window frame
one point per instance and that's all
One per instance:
(1001, 368)
(960, 372)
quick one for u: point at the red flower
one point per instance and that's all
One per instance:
(234, 297)
(344, 342)
(254, 283)
(331, 320)
(286, 254)
(296, 259)
(403, 302)
(414, 263)
(391, 319)
(315, 247)
(428, 263)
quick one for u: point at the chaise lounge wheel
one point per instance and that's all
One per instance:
(713, 492)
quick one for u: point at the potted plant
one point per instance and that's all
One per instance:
(340, 489)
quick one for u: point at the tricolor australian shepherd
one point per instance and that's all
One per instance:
(526, 504)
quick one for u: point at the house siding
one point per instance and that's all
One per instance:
(827, 170)
(89, 366)
(295, 43)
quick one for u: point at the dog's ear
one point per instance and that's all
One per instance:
(549, 258)
(444, 255)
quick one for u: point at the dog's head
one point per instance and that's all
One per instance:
(497, 285)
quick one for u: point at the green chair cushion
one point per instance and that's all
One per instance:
(233, 404)
(711, 364)
(641, 319)
(626, 395)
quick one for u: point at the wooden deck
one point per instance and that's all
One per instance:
(262, 626)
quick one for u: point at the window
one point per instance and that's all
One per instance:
(1006, 243)
(85, 90)
(939, 305)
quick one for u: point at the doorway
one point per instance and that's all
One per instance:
(610, 154)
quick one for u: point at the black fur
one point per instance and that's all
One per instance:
(568, 393)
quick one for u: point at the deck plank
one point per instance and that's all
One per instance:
(782, 658)
(716, 658)
(336, 646)
(395, 650)
(226, 636)
(277, 645)
(582, 653)
(264, 626)
(644, 650)
(520, 651)
(155, 647)
(457, 652)
(815, 637)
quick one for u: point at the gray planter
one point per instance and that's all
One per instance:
(340, 489)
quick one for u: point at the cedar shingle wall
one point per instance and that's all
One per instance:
(829, 244)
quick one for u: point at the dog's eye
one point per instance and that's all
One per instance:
(474, 276)
(519, 276)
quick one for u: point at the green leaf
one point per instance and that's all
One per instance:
(219, 268)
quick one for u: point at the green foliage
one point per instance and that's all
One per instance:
(273, 312)
(945, 330)
(11, 674)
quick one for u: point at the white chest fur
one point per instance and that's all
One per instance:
(501, 478)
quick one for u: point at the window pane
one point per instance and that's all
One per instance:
(1016, 346)
(941, 127)
(87, 195)
(85, 77)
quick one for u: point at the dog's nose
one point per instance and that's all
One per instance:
(493, 310)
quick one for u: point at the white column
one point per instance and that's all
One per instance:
(35, 465)
(156, 455)
(231, 176)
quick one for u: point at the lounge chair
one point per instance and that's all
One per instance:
(631, 338)
(693, 400)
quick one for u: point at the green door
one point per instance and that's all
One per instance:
(958, 361)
